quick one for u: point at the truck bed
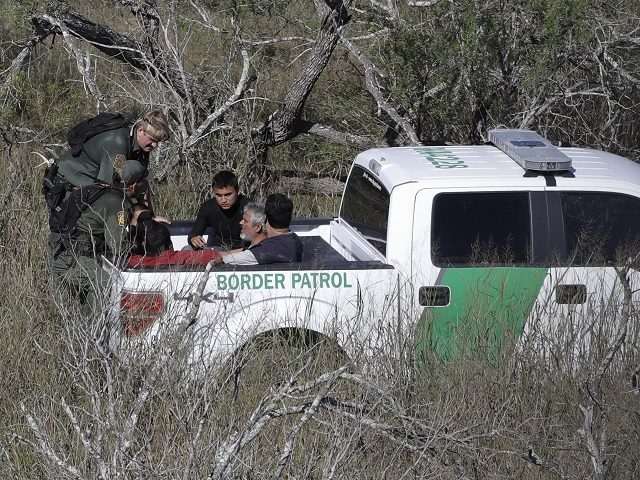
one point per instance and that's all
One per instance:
(317, 253)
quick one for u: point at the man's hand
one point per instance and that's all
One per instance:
(198, 242)
(232, 250)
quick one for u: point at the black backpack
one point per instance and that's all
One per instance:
(91, 127)
(54, 188)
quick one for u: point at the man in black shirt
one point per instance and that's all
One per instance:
(223, 213)
(281, 244)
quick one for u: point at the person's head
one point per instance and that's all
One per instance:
(130, 174)
(225, 189)
(152, 238)
(253, 222)
(278, 209)
(151, 129)
(142, 212)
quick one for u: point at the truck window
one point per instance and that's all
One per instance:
(481, 228)
(365, 205)
(600, 227)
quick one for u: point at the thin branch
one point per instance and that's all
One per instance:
(90, 448)
(342, 138)
(83, 62)
(273, 41)
(308, 414)
(192, 314)
(241, 88)
(532, 457)
(24, 55)
(44, 447)
(370, 71)
(422, 3)
(285, 124)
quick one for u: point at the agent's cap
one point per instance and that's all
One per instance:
(131, 171)
(157, 134)
(155, 124)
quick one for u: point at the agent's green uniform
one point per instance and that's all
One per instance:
(99, 157)
(100, 230)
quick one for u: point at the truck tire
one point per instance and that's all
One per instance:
(272, 358)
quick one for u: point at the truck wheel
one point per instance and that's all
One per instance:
(272, 358)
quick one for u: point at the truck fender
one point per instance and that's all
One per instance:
(274, 356)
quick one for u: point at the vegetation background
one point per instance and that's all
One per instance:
(285, 93)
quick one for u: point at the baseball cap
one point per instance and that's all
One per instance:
(131, 171)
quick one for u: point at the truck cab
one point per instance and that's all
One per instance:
(515, 242)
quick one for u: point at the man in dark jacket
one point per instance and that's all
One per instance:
(222, 213)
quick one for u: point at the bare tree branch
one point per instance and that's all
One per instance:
(336, 136)
(46, 449)
(370, 71)
(122, 48)
(299, 185)
(19, 61)
(10, 97)
(285, 123)
(596, 433)
(83, 61)
(532, 457)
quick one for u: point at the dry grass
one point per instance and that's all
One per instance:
(281, 417)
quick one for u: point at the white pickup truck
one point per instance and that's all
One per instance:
(455, 246)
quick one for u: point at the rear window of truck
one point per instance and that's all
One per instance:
(365, 205)
(600, 227)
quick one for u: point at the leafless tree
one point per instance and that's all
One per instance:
(198, 107)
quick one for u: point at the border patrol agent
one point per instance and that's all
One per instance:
(99, 230)
(103, 153)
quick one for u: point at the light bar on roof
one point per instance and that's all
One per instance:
(530, 150)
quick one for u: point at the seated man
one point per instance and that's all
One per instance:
(281, 244)
(253, 227)
(223, 213)
(155, 247)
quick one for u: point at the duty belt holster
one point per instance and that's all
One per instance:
(54, 188)
(60, 245)
(64, 216)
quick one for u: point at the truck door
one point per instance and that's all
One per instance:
(594, 234)
(482, 276)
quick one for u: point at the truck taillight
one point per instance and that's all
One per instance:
(138, 311)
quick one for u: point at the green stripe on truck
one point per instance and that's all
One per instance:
(488, 310)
